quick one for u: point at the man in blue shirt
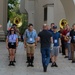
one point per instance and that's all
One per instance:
(30, 42)
(57, 43)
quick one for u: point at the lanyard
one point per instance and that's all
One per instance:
(12, 37)
(30, 34)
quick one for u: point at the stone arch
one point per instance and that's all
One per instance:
(69, 8)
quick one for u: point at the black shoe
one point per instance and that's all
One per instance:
(66, 57)
(31, 61)
(45, 68)
(31, 65)
(73, 61)
(13, 63)
(69, 59)
(28, 61)
(28, 65)
(52, 65)
(10, 63)
(56, 65)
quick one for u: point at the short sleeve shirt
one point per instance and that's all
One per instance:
(45, 38)
(72, 34)
(56, 37)
(12, 37)
(30, 36)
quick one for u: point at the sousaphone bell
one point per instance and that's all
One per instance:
(63, 23)
(18, 21)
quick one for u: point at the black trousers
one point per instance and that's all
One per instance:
(63, 47)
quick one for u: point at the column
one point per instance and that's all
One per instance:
(3, 18)
(1, 15)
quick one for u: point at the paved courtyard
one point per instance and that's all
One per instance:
(65, 67)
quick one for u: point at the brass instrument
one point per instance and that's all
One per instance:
(67, 38)
(18, 21)
(63, 23)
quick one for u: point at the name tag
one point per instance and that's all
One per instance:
(31, 39)
(55, 41)
(12, 43)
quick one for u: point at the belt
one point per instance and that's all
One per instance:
(30, 43)
(11, 42)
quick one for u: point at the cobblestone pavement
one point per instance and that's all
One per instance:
(65, 67)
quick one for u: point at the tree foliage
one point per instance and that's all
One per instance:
(13, 11)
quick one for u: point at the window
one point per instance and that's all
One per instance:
(45, 14)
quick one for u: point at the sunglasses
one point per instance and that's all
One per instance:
(12, 30)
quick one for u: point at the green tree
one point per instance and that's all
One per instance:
(13, 11)
(11, 5)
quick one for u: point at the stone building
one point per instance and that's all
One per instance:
(48, 11)
(40, 12)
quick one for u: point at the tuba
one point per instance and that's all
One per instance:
(18, 21)
(63, 23)
(66, 38)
